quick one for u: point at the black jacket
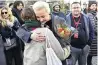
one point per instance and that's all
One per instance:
(17, 14)
(89, 31)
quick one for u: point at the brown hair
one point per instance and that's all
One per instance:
(90, 3)
(76, 3)
(28, 14)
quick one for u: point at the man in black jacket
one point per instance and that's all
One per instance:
(81, 41)
(56, 10)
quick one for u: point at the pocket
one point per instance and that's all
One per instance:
(86, 49)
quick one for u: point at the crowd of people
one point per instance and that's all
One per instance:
(24, 31)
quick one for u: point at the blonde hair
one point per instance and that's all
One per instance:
(41, 5)
(10, 17)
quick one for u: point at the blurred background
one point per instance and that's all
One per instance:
(65, 4)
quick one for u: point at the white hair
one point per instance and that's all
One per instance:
(41, 5)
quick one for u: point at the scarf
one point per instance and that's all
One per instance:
(32, 24)
(93, 12)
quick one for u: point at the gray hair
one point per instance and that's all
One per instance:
(41, 5)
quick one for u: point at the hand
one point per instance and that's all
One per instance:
(10, 24)
(38, 37)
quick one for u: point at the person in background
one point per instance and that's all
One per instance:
(9, 26)
(92, 13)
(80, 41)
(97, 9)
(56, 10)
(85, 9)
(16, 10)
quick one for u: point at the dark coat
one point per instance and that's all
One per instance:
(93, 47)
(88, 27)
(60, 14)
(17, 14)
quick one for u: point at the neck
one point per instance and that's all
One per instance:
(76, 16)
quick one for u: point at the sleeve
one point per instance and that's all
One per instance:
(16, 24)
(23, 35)
(92, 19)
(91, 32)
(62, 53)
(17, 15)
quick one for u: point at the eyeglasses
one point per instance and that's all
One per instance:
(4, 12)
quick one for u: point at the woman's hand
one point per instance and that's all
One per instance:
(10, 24)
(38, 37)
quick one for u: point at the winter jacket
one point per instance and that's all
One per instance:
(88, 27)
(93, 47)
(60, 14)
(17, 14)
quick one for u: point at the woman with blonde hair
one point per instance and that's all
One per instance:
(9, 25)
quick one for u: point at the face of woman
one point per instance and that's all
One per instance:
(20, 7)
(4, 13)
(93, 7)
